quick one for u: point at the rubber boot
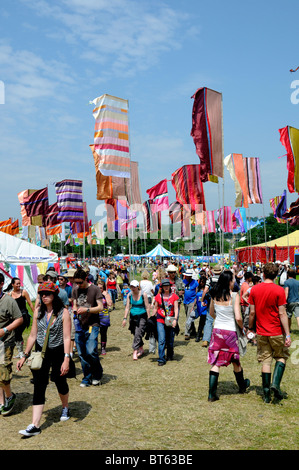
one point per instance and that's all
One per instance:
(242, 383)
(213, 383)
(266, 379)
(103, 349)
(277, 376)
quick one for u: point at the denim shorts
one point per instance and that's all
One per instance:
(293, 308)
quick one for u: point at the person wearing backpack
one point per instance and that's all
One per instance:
(210, 285)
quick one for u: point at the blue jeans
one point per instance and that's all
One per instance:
(207, 332)
(165, 339)
(113, 294)
(87, 347)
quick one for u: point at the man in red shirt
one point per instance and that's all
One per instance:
(268, 308)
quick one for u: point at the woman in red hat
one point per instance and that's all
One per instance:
(51, 311)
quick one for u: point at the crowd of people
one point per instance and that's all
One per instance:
(232, 305)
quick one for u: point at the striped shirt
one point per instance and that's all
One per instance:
(56, 331)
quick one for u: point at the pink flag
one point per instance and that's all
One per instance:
(158, 196)
(225, 219)
(210, 220)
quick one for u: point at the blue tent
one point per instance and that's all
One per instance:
(159, 250)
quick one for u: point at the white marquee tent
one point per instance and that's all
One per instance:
(17, 256)
(159, 250)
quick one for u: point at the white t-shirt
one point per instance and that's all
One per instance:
(146, 287)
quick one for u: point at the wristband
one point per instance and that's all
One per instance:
(125, 319)
(5, 330)
(66, 355)
(288, 336)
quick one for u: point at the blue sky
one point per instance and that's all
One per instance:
(56, 56)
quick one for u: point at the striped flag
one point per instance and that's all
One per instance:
(158, 196)
(111, 136)
(253, 179)
(70, 201)
(188, 186)
(289, 137)
(37, 203)
(235, 166)
(224, 219)
(210, 221)
(279, 206)
(207, 131)
(5, 226)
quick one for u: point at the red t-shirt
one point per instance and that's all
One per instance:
(169, 305)
(267, 297)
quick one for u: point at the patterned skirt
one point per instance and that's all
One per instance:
(223, 348)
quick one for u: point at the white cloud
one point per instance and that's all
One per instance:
(125, 35)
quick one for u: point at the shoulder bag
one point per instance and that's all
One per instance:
(242, 339)
(36, 359)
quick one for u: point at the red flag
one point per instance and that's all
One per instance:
(37, 203)
(207, 131)
(158, 196)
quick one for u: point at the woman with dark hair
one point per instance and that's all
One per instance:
(21, 296)
(224, 348)
(57, 356)
(166, 305)
(104, 315)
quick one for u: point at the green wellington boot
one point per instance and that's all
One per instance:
(266, 379)
(213, 383)
(277, 376)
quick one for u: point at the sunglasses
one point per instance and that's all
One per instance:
(47, 294)
(79, 282)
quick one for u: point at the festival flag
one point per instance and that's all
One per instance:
(207, 131)
(50, 218)
(292, 214)
(152, 219)
(210, 221)
(111, 136)
(158, 196)
(188, 186)
(240, 216)
(279, 206)
(112, 187)
(253, 180)
(36, 203)
(5, 226)
(235, 166)
(289, 137)
(15, 229)
(54, 230)
(70, 201)
(224, 219)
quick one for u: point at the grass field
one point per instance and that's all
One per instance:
(141, 406)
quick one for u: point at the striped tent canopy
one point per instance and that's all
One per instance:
(159, 250)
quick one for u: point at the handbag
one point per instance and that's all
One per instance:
(72, 370)
(168, 319)
(37, 357)
(242, 339)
